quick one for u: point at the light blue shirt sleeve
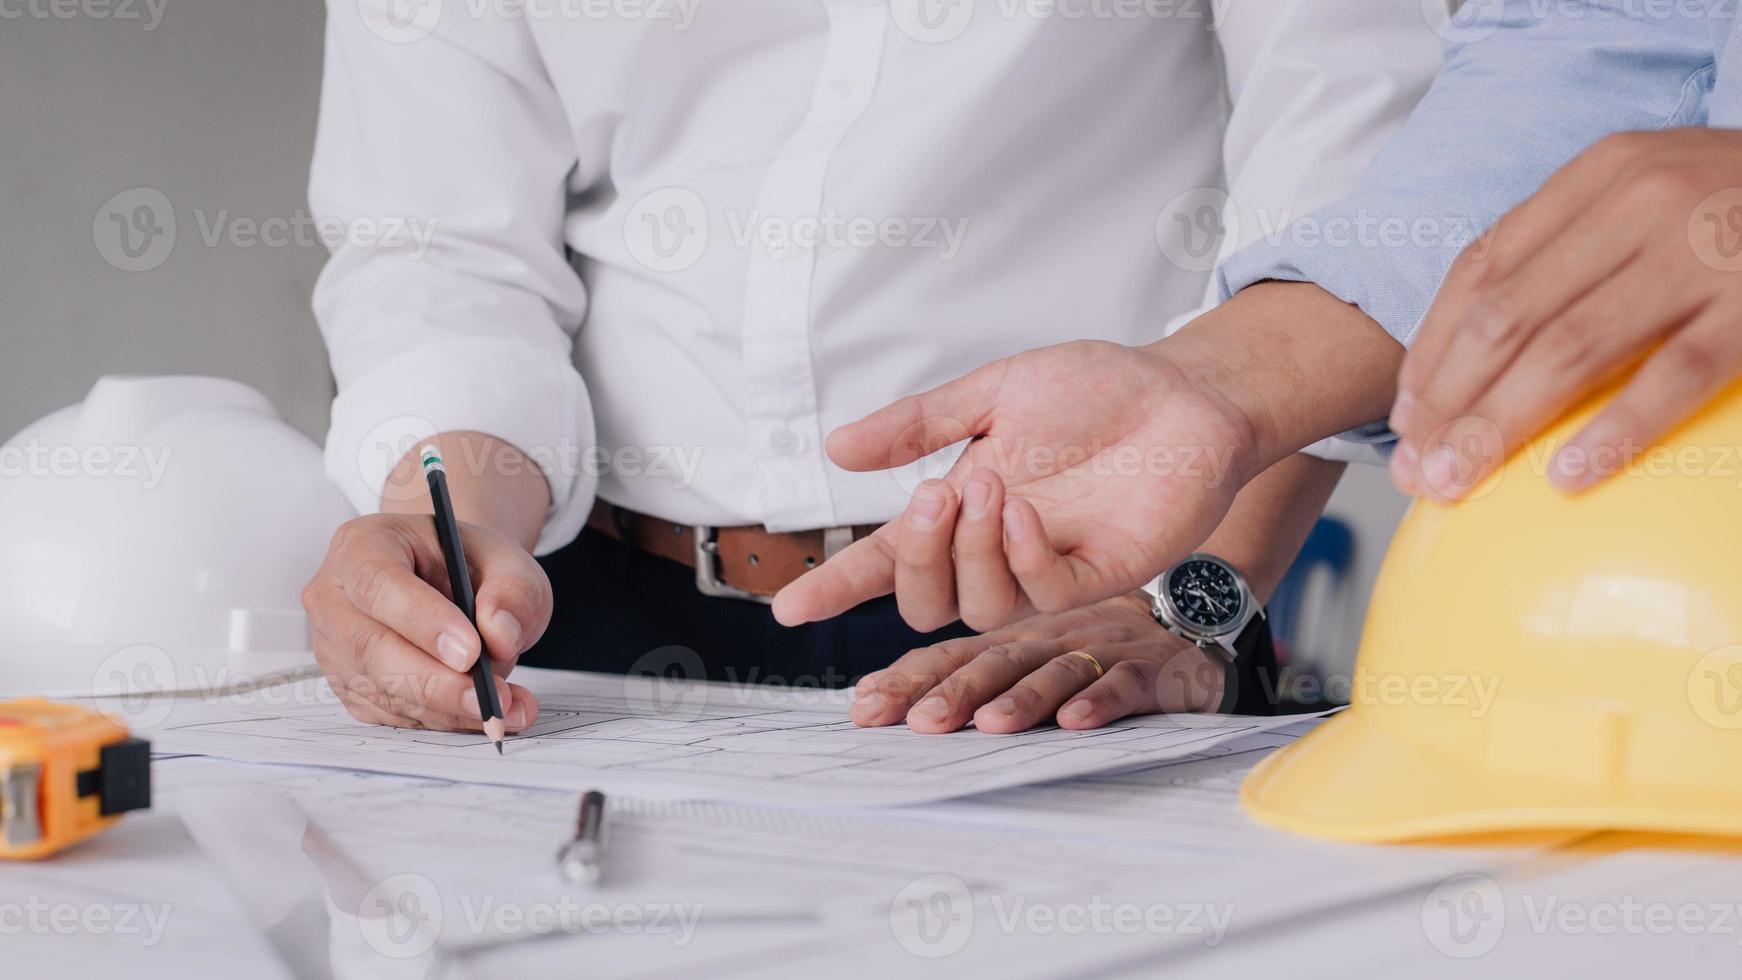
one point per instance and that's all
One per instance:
(1528, 87)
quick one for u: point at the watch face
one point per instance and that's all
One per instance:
(1205, 594)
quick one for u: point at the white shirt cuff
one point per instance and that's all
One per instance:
(1341, 449)
(531, 399)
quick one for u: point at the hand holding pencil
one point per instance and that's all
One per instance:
(396, 649)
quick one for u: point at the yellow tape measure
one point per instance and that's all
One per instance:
(65, 773)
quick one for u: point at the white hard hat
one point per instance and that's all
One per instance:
(157, 537)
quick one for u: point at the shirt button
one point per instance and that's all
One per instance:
(842, 86)
(780, 249)
(783, 441)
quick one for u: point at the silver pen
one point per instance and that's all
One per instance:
(583, 859)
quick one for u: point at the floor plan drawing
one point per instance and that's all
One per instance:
(679, 739)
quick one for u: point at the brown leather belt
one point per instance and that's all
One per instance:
(744, 562)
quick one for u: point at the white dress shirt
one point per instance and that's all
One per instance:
(664, 246)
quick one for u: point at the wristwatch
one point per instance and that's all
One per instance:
(1203, 599)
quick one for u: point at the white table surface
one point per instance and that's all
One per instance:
(1577, 905)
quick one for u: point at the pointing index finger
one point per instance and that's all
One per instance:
(862, 571)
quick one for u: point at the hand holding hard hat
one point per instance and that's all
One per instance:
(1630, 247)
(1538, 660)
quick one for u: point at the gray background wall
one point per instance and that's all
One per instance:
(211, 103)
(214, 107)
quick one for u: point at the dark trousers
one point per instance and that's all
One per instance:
(621, 610)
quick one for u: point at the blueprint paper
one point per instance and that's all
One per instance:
(667, 739)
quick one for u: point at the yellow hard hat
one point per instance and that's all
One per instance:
(1534, 660)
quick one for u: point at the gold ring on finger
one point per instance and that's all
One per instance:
(1099, 673)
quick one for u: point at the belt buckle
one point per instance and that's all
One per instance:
(708, 581)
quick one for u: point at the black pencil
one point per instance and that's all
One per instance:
(448, 533)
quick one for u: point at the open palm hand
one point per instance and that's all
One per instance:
(1092, 467)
